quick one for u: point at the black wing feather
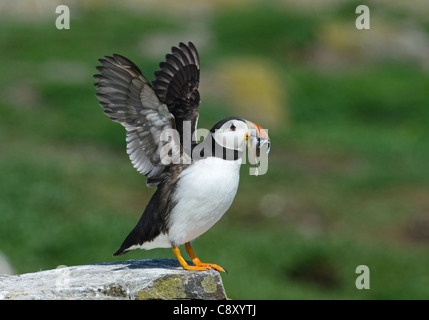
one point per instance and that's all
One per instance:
(129, 99)
(176, 85)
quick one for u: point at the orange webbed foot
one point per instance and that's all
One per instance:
(198, 265)
(197, 261)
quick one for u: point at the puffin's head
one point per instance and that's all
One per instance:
(235, 133)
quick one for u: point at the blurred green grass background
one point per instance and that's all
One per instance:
(347, 112)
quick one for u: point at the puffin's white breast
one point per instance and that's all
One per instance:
(204, 192)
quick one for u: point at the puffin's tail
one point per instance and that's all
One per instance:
(150, 225)
(122, 250)
(132, 239)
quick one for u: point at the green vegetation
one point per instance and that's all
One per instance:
(348, 179)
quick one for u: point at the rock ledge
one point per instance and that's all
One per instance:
(132, 279)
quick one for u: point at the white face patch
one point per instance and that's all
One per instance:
(232, 135)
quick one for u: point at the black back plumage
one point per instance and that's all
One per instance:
(154, 219)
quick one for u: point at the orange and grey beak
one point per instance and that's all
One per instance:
(257, 138)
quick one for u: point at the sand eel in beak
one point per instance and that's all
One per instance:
(196, 182)
(257, 139)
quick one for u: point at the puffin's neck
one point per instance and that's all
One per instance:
(210, 148)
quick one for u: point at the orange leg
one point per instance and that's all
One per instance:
(197, 261)
(184, 264)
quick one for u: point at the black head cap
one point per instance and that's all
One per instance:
(222, 122)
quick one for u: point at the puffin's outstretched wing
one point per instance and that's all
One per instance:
(129, 99)
(176, 85)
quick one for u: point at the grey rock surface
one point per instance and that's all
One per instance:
(133, 279)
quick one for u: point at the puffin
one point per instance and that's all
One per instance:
(196, 182)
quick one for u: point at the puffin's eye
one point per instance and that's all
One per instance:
(232, 127)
